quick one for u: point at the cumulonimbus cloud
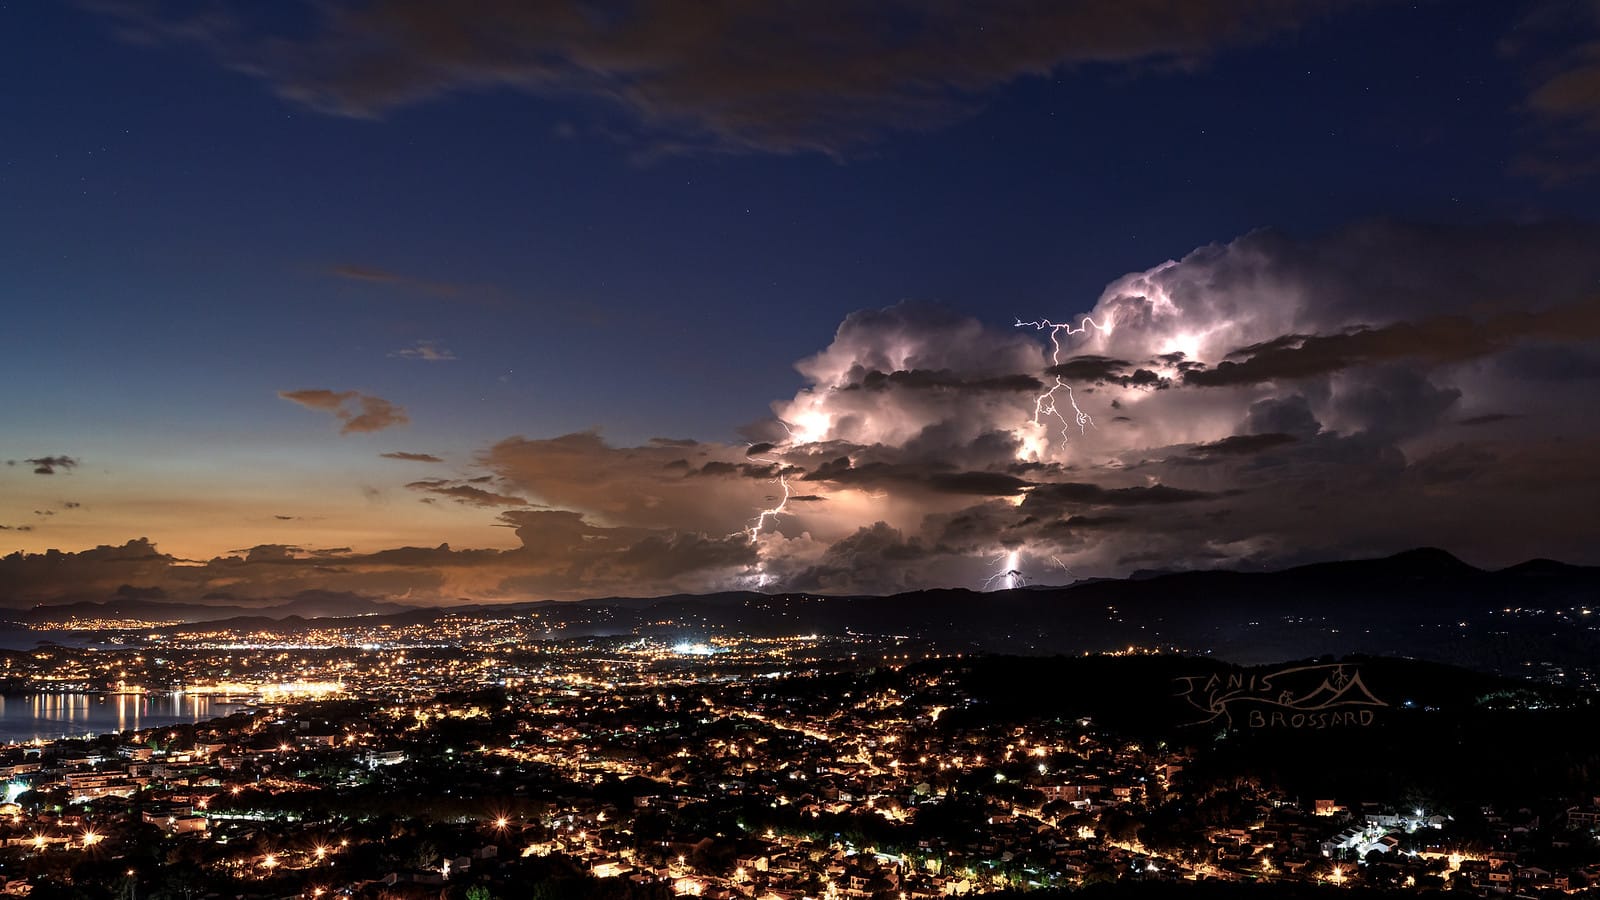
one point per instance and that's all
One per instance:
(1342, 368)
(912, 454)
(1442, 339)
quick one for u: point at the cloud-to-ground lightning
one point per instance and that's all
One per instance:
(1044, 406)
(1010, 575)
(759, 523)
(761, 520)
(1009, 564)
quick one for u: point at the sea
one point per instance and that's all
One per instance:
(47, 716)
(25, 717)
(13, 638)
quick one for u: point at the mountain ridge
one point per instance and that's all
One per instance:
(1380, 605)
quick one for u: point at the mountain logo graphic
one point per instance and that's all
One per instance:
(1323, 695)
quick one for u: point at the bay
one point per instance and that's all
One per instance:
(46, 716)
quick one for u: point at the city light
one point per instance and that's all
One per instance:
(693, 732)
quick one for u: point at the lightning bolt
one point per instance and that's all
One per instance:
(1044, 406)
(772, 514)
(1010, 575)
(761, 578)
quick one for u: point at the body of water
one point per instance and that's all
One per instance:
(29, 638)
(24, 717)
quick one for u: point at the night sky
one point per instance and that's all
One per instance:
(501, 300)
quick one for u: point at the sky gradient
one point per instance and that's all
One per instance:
(299, 295)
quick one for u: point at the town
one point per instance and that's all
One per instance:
(800, 767)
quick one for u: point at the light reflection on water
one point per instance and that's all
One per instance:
(24, 717)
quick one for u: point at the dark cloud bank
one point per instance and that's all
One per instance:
(828, 77)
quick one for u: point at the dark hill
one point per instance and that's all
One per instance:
(1423, 603)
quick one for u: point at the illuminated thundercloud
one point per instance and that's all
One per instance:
(766, 516)
(899, 345)
(1010, 575)
(769, 515)
(1045, 406)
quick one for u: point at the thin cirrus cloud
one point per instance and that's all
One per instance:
(398, 284)
(411, 457)
(1559, 44)
(425, 351)
(465, 493)
(358, 412)
(823, 77)
(372, 275)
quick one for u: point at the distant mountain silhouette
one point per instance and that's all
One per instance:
(1423, 604)
(1423, 562)
(149, 605)
(1545, 568)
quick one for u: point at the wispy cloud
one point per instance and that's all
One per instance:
(425, 351)
(48, 465)
(824, 77)
(411, 457)
(359, 412)
(371, 275)
(465, 493)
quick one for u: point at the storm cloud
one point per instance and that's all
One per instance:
(1267, 401)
